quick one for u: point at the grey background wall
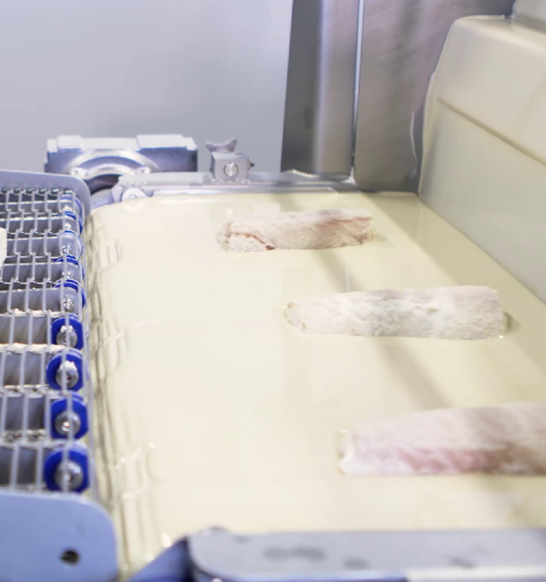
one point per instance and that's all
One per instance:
(209, 69)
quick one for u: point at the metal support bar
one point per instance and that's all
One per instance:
(320, 94)
(402, 41)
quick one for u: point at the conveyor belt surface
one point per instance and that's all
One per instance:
(215, 412)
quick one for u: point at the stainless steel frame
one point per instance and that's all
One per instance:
(472, 556)
(320, 94)
(402, 41)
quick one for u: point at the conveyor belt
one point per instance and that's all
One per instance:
(215, 412)
(42, 336)
(52, 527)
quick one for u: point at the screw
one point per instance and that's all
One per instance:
(231, 169)
(69, 273)
(65, 420)
(68, 305)
(67, 374)
(68, 474)
(67, 336)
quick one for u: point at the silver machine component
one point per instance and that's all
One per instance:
(138, 186)
(401, 45)
(226, 164)
(99, 162)
(230, 172)
(320, 93)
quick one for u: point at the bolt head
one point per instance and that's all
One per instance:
(67, 372)
(65, 420)
(69, 473)
(231, 169)
(67, 336)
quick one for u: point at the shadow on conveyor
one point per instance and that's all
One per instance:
(427, 394)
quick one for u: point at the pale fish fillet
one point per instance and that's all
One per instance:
(312, 229)
(508, 439)
(444, 312)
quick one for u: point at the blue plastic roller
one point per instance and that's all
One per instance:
(66, 367)
(66, 420)
(67, 331)
(67, 468)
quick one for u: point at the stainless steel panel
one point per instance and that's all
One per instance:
(507, 555)
(402, 41)
(320, 94)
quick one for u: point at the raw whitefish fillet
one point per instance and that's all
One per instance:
(310, 229)
(507, 439)
(445, 312)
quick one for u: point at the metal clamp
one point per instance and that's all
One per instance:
(226, 163)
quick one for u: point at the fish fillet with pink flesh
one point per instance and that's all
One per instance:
(508, 439)
(305, 230)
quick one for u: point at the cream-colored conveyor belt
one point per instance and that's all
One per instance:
(213, 411)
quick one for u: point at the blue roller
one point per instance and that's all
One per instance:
(76, 380)
(70, 259)
(75, 217)
(76, 325)
(72, 238)
(60, 411)
(72, 200)
(71, 284)
(76, 465)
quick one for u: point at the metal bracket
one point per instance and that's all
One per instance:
(226, 164)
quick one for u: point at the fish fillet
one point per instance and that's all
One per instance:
(444, 312)
(312, 229)
(506, 439)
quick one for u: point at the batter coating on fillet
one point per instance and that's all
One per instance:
(309, 229)
(507, 439)
(444, 312)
